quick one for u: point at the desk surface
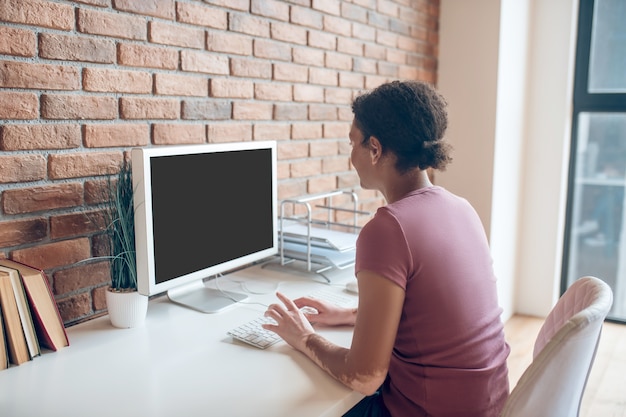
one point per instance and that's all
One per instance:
(182, 363)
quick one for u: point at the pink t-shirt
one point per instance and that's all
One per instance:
(449, 357)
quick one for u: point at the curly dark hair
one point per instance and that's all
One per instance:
(409, 119)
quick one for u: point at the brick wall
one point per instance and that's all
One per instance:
(82, 82)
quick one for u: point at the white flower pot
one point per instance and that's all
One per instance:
(126, 309)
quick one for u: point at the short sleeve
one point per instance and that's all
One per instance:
(382, 248)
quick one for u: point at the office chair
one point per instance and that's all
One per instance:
(565, 348)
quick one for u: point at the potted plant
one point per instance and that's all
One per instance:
(127, 308)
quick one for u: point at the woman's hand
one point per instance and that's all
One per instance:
(325, 313)
(291, 323)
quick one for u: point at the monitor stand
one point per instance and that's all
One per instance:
(201, 298)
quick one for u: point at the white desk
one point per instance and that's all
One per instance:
(181, 363)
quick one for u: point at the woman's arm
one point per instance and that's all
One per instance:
(364, 366)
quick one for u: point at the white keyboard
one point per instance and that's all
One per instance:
(253, 334)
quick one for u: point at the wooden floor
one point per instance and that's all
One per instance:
(605, 394)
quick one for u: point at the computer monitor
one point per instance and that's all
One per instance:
(202, 210)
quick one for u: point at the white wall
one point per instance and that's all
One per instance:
(506, 69)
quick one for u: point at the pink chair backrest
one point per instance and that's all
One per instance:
(554, 383)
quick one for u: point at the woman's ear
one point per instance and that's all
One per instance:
(376, 149)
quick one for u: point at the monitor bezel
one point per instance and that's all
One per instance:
(144, 245)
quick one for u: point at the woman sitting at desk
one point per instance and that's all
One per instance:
(428, 338)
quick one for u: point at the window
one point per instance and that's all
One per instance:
(595, 237)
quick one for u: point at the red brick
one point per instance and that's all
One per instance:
(271, 131)
(327, 6)
(335, 164)
(72, 48)
(22, 231)
(34, 199)
(95, 191)
(364, 65)
(338, 61)
(22, 168)
(351, 80)
(243, 5)
(229, 132)
(388, 69)
(337, 25)
(378, 20)
(83, 164)
(290, 111)
(268, 49)
(388, 7)
(373, 81)
(323, 184)
(245, 110)
(206, 110)
(291, 189)
(38, 13)
(74, 308)
(348, 180)
(76, 224)
(156, 8)
(117, 81)
(230, 43)
(308, 93)
(18, 106)
(38, 76)
(306, 168)
(17, 42)
(387, 39)
(147, 56)
(270, 8)
(29, 137)
(81, 276)
(226, 87)
(323, 148)
(248, 24)
(323, 76)
(376, 52)
(180, 85)
(338, 130)
(288, 33)
(175, 134)
(176, 35)
(397, 57)
(306, 130)
(355, 11)
(116, 25)
(322, 40)
(308, 56)
(350, 46)
(291, 72)
(322, 112)
(293, 150)
(273, 91)
(338, 96)
(98, 297)
(149, 108)
(282, 171)
(99, 3)
(127, 135)
(201, 15)
(364, 32)
(305, 16)
(209, 63)
(58, 106)
(249, 68)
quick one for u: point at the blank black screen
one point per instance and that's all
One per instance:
(210, 208)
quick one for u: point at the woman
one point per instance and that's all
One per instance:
(428, 338)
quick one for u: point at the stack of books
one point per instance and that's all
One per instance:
(29, 316)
